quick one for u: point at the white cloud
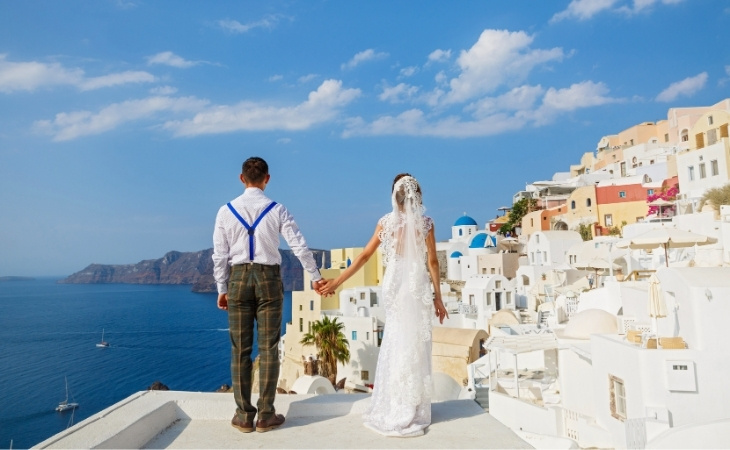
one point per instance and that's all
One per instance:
(308, 78)
(518, 99)
(321, 106)
(578, 96)
(686, 88)
(439, 56)
(498, 58)
(583, 9)
(115, 79)
(163, 90)
(398, 93)
(363, 56)
(586, 9)
(236, 27)
(171, 59)
(644, 5)
(514, 110)
(283, 141)
(72, 125)
(415, 123)
(277, 77)
(32, 75)
(408, 71)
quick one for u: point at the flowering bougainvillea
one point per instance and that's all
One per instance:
(668, 194)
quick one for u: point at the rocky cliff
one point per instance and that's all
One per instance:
(194, 268)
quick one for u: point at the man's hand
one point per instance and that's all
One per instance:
(318, 285)
(223, 302)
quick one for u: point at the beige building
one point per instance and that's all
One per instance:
(454, 349)
(498, 264)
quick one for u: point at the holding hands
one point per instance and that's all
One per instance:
(325, 288)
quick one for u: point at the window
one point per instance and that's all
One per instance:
(367, 335)
(703, 173)
(650, 192)
(301, 325)
(498, 284)
(459, 232)
(618, 397)
(608, 220)
(362, 296)
(622, 194)
(709, 120)
(666, 137)
(572, 204)
(509, 298)
(588, 202)
(714, 170)
(685, 136)
(300, 307)
(311, 305)
(354, 335)
(711, 137)
(489, 298)
(493, 272)
(691, 173)
(365, 375)
(699, 140)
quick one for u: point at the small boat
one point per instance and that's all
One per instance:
(66, 405)
(103, 343)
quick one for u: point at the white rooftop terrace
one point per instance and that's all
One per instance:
(173, 419)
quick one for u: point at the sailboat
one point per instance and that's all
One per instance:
(103, 343)
(66, 405)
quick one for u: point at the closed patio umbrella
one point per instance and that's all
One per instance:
(657, 306)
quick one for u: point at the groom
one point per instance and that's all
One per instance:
(246, 263)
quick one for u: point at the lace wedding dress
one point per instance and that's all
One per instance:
(401, 400)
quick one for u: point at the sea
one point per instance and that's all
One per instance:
(48, 337)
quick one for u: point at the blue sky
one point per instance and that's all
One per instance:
(124, 123)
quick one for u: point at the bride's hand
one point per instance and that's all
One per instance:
(328, 288)
(440, 310)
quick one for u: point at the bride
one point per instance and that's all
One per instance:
(401, 400)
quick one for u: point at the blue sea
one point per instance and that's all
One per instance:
(49, 332)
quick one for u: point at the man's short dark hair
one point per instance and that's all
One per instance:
(255, 169)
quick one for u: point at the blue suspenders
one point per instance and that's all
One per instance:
(251, 228)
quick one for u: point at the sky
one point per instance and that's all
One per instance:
(124, 123)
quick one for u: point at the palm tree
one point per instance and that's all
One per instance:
(332, 346)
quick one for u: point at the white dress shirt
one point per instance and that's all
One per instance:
(231, 243)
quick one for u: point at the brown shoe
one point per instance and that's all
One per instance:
(274, 422)
(240, 425)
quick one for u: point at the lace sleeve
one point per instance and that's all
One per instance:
(383, 221)
(427, 225)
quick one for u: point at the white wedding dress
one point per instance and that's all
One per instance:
(401, 400)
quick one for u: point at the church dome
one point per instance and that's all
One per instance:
(464, 221)
(479, 241)
(456, 254)
(590, 321)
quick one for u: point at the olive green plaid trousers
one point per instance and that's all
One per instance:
(255, 293)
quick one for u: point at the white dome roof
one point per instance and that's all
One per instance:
(590, 321)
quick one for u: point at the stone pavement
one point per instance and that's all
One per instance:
(170, 419)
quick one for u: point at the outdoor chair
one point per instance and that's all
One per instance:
(672, 342)
(633, 336)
